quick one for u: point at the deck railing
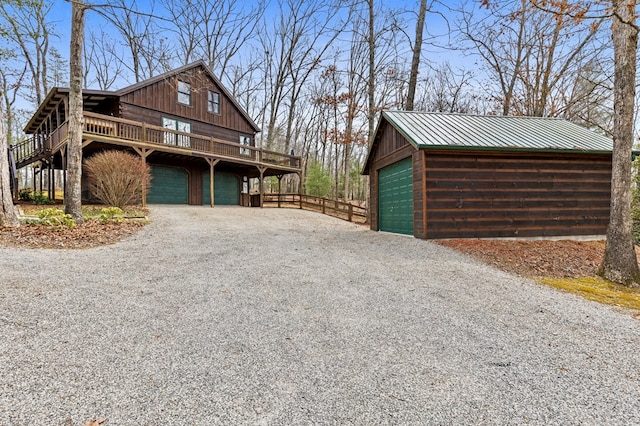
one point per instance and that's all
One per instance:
(141, 132)
(344, 210)
(134, 131)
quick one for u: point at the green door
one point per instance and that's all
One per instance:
(169, 185)
(226, 189)
(395, 198)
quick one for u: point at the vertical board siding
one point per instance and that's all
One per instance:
(481, 195)
(163, 96)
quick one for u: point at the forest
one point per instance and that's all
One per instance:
(314, 74)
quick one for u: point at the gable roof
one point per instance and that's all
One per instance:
(429, 130)
(90, 95)
(198, 64)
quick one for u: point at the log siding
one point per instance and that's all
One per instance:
(516, 195)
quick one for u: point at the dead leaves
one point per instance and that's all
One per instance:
(89, 234)
(95, 422)
(566, 258)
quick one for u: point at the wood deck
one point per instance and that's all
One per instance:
(117, 131)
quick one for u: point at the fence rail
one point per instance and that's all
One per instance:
(141, 132)
(341, 209)
(134, 131)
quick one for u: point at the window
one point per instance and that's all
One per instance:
(245, 140)
(184, 93)
(214, 102)
(171, 138)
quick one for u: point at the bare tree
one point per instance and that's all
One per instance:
(528, 51)
(8, 216)
(103, 60)
(416, 53)
(147, 49)
(620, 263)
(26, 25)
(294, 47)
(73, 190)
(214, 30)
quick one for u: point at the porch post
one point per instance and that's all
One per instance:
(261, 169)
(279, 188)
(300, 187)
(144, 153)
(212, 165)
(63, 153)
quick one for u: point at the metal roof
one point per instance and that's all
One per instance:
(441, 130)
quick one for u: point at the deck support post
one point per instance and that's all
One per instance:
(300, 187)
(144, 153)
(212, 165)
(279, 188)
(261, 169)
(63, 154)
(52, 181)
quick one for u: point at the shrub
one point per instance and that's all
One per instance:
(25, 194)
(318, 181)
(116, 178)
(39, 198)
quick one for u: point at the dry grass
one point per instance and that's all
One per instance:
(598, 290)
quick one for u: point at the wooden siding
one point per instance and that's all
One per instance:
(154, 117)
(163, 96)
(484, 195)
(391, 148)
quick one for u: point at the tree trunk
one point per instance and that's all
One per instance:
(415, 61)
(8, 215)
(73, 191)
(371, 85)
(620, 264)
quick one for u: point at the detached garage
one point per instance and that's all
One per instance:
(435, 175)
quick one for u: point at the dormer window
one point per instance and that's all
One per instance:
(214, 102)
(184, 93)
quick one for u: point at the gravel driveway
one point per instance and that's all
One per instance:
(286, 317)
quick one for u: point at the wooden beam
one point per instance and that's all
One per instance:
(279, 188)
(144, 153)
(300, 187)
(212, 164)
(261, 169)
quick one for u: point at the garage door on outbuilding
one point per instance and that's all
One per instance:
(395, 203)
(169, 185)
(226, 189)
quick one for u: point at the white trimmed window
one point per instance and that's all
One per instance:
(213, 104)
(184, 93)
(173, 138)
(245, 140)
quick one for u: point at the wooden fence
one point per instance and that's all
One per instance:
(340, 209)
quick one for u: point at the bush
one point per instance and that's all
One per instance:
(39, 198)
(116, 178)
(318, 181)
(25, 194)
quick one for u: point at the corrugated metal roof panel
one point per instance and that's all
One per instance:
(426, 129)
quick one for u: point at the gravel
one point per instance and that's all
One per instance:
(279, 316)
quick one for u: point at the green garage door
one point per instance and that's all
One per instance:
(169, 185)
(395, 198)
(225, 187)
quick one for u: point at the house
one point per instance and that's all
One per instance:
(435, 175)
(184, 123)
